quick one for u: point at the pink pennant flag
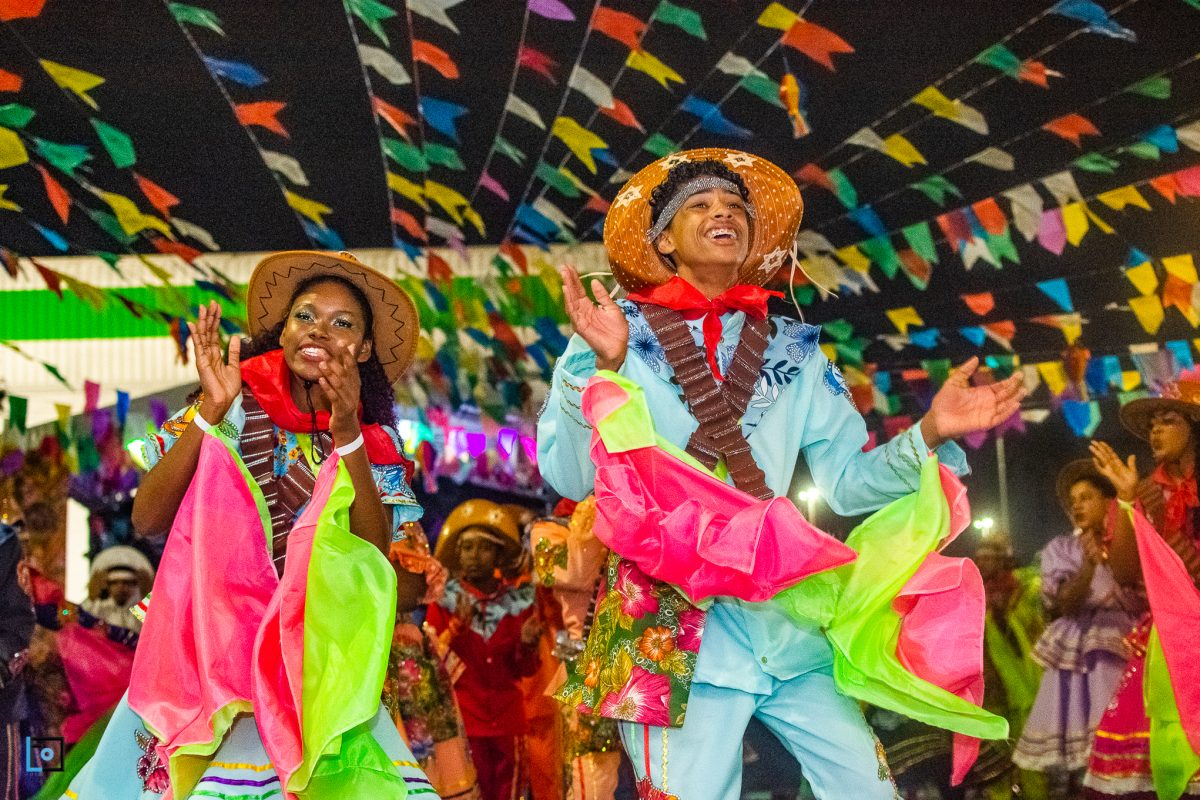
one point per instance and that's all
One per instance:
(493, 186)
(1052, 233)
(1188, 181)
(91, 396)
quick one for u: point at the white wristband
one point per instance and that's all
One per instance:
(204, 425)
(347, 449)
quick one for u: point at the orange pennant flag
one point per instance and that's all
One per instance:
(989, 214)
(625, 28)
(598, 204)
(435, 57)
(982, 303)
(623, 114)
(263, 114)
(168, 247)
(1177, 292)
(515, 254)
(439, 268)
(10, 82)
(407, 221)
(1167, 186)
(160, 198)
(397, 118)
(815, 42)
(1035, 72)
(20, 9)
(1071, 127)
(811, 173)
(57, 194)
(1002, 332)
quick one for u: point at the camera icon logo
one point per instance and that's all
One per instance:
(43, 754)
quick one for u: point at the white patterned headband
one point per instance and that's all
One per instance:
(702, 183)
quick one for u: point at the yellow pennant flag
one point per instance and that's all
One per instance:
(1100, 224)
(406, 188)
(579, 139)
(73, 80)
(829, 350)
(644, 62)
(1072, 329)
(777, 16)
(1075, 220)
(577, 182)
(954, 110)
(1117, 199)
(472, 216)
(425, 351)
(63, 412)
(1181, 267)
(904, 317)
(449, 199)
(130, 217)
(5, 203)
(902, 150)
(1130, 380)
(854, 258)
(1149, 312)
(12, 149)
(1054, 375)
(305, 207)
(1143, 278)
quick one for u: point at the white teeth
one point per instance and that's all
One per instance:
(716, 232)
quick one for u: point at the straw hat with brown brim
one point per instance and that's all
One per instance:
(395, 328)
(484, 514)
(636, 262)
(120, 557)
(1074, 472)
(1183, 397)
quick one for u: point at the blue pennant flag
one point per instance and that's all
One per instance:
(442, 115)
(1057, 291)
(1094, 17)
(712, 119)
(974, 334)
(235, 71)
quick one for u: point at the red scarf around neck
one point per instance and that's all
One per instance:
(270, 380)
(679, 295)
(1181, 498)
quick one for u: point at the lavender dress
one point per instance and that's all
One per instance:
(1083, 657)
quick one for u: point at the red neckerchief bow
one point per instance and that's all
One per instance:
(679, 295)
(1181, 497)
(270, 380)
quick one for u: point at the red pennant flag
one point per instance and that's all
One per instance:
(982, 303)
(955, 227)
(20, 9)
(57, 194)
(1071, 127)
(264, 114)
(1034, 72)
(1003, 332)
(12, 264)
(409, 223)
(990, 216)
(9, 82)
(811, 173)
(184, 251)
(894, 426)
(815, 42)
(1188, 181)
(537, 61)
(439, 268)
(398, 119)
(50, 277)
(625, 28)
(1166, 186)
(916, 268)
(623, 114)
(159, 197)
(504, 334)
(513, 252)
(436, 57)
(598, 204)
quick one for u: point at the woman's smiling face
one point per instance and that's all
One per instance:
(325, 318)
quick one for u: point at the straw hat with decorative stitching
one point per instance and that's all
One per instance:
(1074, 472)
(485, 514)
(396, 326)
(1182, 396)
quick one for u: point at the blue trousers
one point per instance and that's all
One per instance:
(822, 728)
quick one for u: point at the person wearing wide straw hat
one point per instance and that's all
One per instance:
(693, 237)
(282, 487)
(120, 577)
(490, 625)
(1144, 743)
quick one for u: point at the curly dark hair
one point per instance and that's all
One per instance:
(377, 397)
(682, 173)
(1098, 482)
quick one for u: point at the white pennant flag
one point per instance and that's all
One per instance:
(553, 213)
(286, 166)
(1062, 186)
(995, 158)
(191, 229)
(385, 64)
(809, 241)
(520, 108)
(732, 64)
(1026, 210)
(867, 138)
(434, 10)
(591, 87)
(1189, 135)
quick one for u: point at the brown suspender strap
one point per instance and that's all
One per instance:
(718, 407)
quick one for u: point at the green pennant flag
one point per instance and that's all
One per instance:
(843, 189)
(110, 226)
(920, 239)
(18, 407)
(938, 369)
(839, 329)
(849, 353)
(405, 154)
(805, 295)
(660, 145)
(200, 17)
(552, 177)
(1002, 247)
(372, 13)
(118, 145)
(66, 157)
(1097, 162)
(1001, 58)
(1148, 151)
(1003, 365)
(111, 259)
(1156, 87)
(937, 188)
(510, 151)
(762, 87)
(685, 19)
(58, 376)
(882, 253)
(15, 115)
(94, 297)
(443, 156)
